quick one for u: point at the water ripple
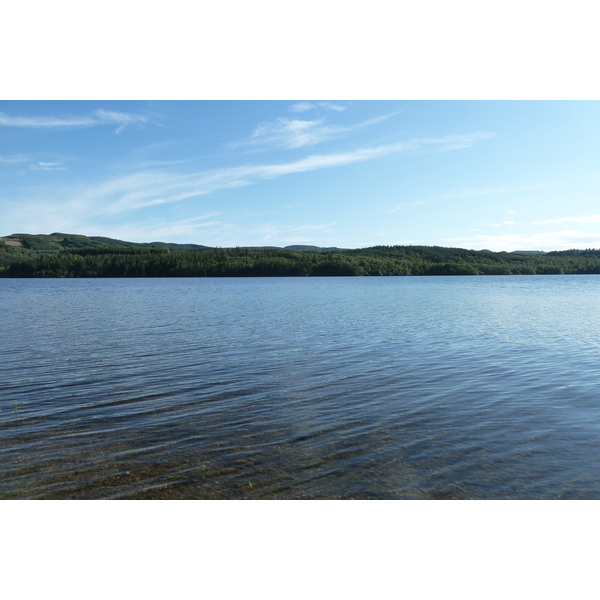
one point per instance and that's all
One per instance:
(301, 388)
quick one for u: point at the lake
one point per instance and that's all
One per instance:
(301, 388)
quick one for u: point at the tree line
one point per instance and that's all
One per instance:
(244, 262)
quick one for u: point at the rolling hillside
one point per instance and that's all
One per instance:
(71, 255)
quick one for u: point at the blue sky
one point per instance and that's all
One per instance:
(502, 175)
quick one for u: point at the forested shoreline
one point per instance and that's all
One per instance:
(156, 261)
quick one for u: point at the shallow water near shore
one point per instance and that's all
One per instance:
(299, 388)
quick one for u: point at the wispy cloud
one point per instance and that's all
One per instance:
(8, 121)
(149, 188)
(186, 228)
(117, 118)
(47, 166)
(332, 106)
(469, 193)
(296, 133)
(14, 159)
(590, 219)
(78, 206)
(300, 107)
(98, 117)
(292, 133)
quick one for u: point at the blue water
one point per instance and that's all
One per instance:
(397, 387)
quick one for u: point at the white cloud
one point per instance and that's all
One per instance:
(7, 121)
(590, 219)
(332, 106)
(47, 166)
(313, 162)
(304, 106)
(301, 107)
(292, 133)
(150, 187)
(14, 159)
(78, 207)
(296, 133)
(122, 119)
(99, 117)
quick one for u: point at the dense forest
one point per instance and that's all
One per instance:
(62, 255)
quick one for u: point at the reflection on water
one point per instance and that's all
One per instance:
(437, 387)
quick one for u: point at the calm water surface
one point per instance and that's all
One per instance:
(389, 388)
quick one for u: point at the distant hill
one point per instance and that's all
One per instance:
(55, 242)
(302, 248)
(24, 246)
(75, 255)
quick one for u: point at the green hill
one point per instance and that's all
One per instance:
(70, 255)
(19, 246)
